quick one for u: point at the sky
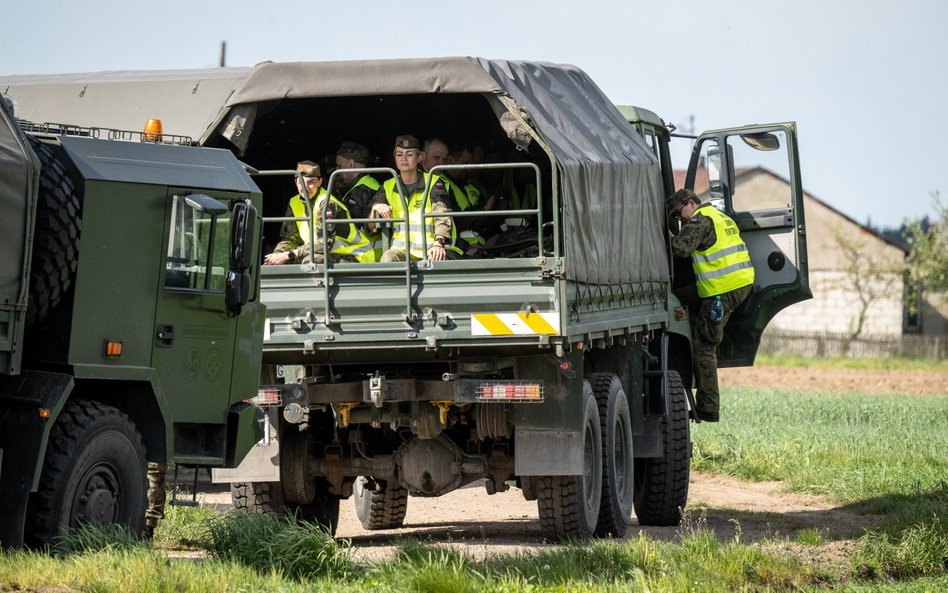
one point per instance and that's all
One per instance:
(865, 80)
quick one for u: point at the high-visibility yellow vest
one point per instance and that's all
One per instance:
(466, 196)
(517, 201)
(374, 238)
(355, 243)
(726, 265)
(365, 180)
(420, 231)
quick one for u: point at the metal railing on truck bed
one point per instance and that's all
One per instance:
(353, 311)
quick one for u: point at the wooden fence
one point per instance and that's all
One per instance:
(842, 346)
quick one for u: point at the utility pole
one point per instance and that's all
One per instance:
(223, 60)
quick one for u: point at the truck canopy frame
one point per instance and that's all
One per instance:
(608, 179)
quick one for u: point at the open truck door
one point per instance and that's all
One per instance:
(752, 174)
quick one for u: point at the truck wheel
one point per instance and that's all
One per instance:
(267, 497)
(257, 497)
(93, 473)
(56, 241)
(661, 484)
(569, 505)
(615, 512)
(379, 505)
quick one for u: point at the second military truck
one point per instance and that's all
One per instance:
(130, 323)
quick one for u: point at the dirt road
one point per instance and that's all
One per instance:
(480, 524)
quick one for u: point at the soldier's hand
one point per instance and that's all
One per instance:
(436, 253)
(277, 259)
(381, 211)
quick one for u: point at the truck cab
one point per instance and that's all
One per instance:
(131, 323)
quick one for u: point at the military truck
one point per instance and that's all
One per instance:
(130, 320)
(560, 363)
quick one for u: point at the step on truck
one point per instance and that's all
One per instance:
(557, 361)
(130, 320)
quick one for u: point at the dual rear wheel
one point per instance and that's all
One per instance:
(599, 501)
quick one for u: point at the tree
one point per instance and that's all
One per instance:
(868, 274)
(928, 256)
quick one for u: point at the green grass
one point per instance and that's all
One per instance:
(853, 448)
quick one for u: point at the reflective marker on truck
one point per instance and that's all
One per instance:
(515, 324)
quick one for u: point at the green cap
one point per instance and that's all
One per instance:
(679, 199)
(407, 141)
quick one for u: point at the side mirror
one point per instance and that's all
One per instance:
(713, 163)
(243, 230)
(761, 141)
(237, 291)
(244, 227)
(206, 204)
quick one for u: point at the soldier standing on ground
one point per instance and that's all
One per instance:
(156, 497)
(722, 269)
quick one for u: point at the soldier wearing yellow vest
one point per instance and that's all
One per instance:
(347, 242)
(464, 194)
(722, 268)
(356, 190)
(387, 203)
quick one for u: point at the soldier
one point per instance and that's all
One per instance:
(722, 269)
(355, 190)
(156, 497)
(387, 203)
(348, 243)
(435, 153)
(464, 193)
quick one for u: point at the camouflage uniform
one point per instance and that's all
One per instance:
(357, 198)
(156, 496)
(290, 239)
(698, 234)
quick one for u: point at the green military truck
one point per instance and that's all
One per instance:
(559, 363)
(130, 320)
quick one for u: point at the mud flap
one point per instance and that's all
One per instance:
(262, 462)
(23, 437)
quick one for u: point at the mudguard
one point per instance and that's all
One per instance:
(24, 432)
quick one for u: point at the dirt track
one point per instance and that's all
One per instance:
(869, 381)
(480, 524)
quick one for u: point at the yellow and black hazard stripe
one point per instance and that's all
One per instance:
(515, 324)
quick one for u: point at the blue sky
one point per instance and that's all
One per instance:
(864, 80)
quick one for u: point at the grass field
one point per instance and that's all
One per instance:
(886, 455)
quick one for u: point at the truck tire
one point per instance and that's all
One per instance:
(56, 238)
(257, 497)
(615, 511)
(569, 505)
(93, 473)
(379, 505)
(661, 484)
(267, 497)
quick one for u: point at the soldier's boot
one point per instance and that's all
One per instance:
(148, 533)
